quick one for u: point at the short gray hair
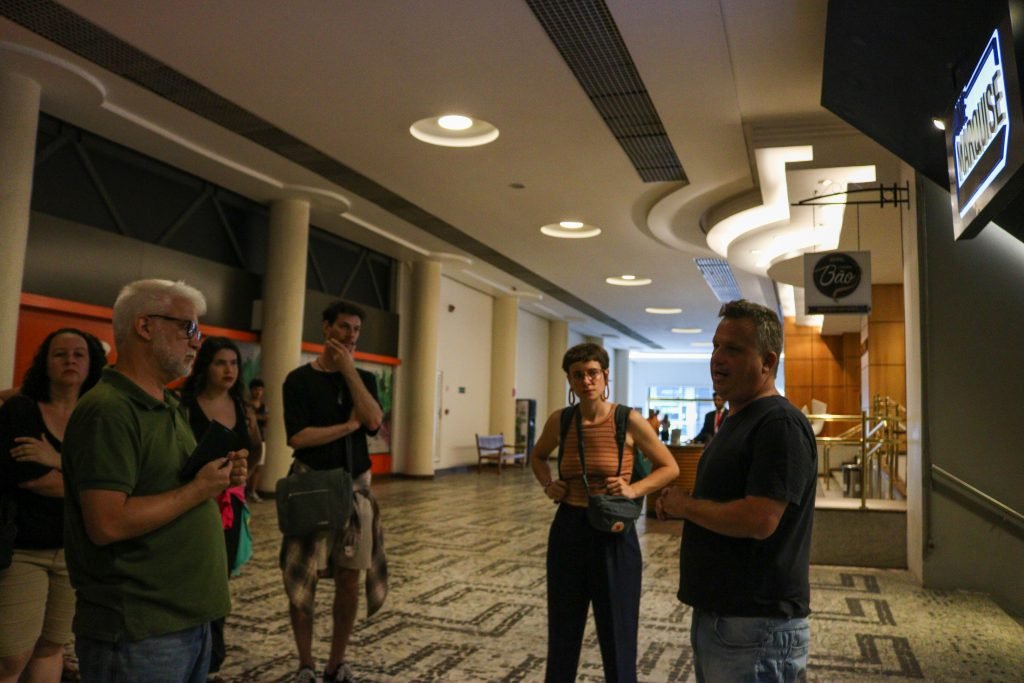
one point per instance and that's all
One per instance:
(150, 296)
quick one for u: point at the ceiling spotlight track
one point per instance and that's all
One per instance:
(893, 195)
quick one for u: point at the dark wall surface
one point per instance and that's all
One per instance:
(78, 263)
(972, 321)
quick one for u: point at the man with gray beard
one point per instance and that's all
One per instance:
(145, 549)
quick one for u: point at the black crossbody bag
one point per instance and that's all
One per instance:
(315, 500)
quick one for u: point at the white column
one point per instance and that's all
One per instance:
(620, 383)
(19, 119)
(558, 344)
(284, 298)
(504, 327)
(422, 369)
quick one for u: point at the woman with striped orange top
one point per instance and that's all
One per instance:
(585, 565)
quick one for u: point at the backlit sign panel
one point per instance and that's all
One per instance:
(984, 141)
(981, 127)
(837, 282)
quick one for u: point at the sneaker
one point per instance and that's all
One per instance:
(343, 674)
(305, 675)
(254, 497)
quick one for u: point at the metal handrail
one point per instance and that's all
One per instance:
(1001, 509)
(875, 438)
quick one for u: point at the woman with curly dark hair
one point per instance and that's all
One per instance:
(214, 391)
(35, 593)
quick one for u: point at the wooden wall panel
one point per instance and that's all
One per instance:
(886, 344)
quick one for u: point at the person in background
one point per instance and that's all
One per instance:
(35, 593)
(585, 565)
(330, 407)
(213, 392)
(713, 420)
(745, 555)
(666, 428)
(145, 549)
(259, 405)
(654, 420)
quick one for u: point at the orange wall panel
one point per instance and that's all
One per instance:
(886, 303)
(799, 347)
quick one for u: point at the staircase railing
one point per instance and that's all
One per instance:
(880, 434)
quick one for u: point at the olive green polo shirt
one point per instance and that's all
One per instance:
(120, 438)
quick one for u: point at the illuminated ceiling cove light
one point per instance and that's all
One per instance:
(572, 230)
(687, 330)
(628, 281)
(663, 311)
(455, 122)
(454, 130)
(771, 168)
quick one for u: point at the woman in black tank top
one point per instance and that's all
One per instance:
(213, 392)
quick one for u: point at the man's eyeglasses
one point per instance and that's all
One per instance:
(189, 327)
(592, 374)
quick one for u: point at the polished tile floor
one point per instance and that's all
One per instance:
(466, 554)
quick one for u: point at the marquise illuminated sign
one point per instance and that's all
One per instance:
(985, 135)
(981, 127)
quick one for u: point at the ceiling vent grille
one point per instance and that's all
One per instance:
(590, 43)
(75, 33)
(719, 277)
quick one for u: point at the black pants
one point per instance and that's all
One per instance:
(588, 566)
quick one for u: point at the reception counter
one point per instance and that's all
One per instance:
(687, 458)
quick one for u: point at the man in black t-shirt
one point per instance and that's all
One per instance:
(330, 407)
(745, 554)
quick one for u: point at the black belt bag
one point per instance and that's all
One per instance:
(612, 514)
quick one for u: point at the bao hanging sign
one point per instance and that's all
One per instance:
(837, 282)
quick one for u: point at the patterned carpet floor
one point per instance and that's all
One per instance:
(466, 557)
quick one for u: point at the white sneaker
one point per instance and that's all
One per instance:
(342, 675)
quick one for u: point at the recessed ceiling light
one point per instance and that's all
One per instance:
(687, 330)
(701, 344)
(825, 182)
(663, 311)
(939, 123)
(454, 122)
(572, 230)
(450, 131)
(628, 281)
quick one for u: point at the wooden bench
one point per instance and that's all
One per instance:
(492, 448)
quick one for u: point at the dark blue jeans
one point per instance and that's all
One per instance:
(585, 567)
(748, 649)
(182, 657)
